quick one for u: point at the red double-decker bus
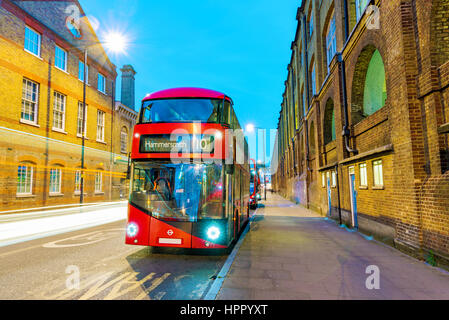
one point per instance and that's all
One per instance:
(189, 178)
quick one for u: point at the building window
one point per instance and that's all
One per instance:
(331, 41)
(32, 41)
(304, 102)
(100, 126)
(55, 181)
(30, 96)
(378, 174)
(334, 179)
(360, 6)
(311, 26)
(81, 72)
(25, 180)
(79, 124)
(313, 79)
(363, 175)
(124, 140)
(60, 58)
(78, 182)
(323, 179)
(375, 92)
(59, 111)
(101, 83)
(98, 182)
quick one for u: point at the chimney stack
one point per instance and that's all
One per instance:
(128, 86)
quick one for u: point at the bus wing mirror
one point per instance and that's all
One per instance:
(229, 169)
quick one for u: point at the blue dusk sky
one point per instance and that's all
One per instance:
(241, 48)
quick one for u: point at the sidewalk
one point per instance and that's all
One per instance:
(290, 253)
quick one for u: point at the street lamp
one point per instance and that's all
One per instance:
(116, 43)
(250, 128)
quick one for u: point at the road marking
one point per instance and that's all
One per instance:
(100, 286)
(90, 238)
(115, 292)
(156, 282)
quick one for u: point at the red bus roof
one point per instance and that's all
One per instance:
(186, 93)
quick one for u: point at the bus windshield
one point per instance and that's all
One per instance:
(181, 110)
(180, 192)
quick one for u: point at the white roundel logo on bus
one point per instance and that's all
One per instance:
(170, 232)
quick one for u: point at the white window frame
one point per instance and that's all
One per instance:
(52, 190)
(39, 44)
(102, 89)
(81, 74)
(331, 41)
(323, 179)
(378, 179)
(59, 112)
(27, 187)
(101, 115)
(98, 182)
(25, 100)
(77, 182)
(79, 120)
(65, 58)
(363, 168)
(334, 179)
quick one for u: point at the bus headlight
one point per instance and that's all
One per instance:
(131, 230)
(213, 233)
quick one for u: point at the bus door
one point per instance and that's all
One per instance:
(237, 200)
(229, 204)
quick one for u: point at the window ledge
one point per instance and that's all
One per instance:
(35, 55)
(82, 81)
(59, 130)
(30, 123)
(80, 136)
(363, 187)
(444, 128)
(78, 194)
(25, 196)
(378, 188)
(62, 70)
(56, 194)
(99, 193)
(102, 142)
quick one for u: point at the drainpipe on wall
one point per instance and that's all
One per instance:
(306, 129)
(346, 17)
(346, 131)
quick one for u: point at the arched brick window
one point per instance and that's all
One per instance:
(369, 89)
(329, 122)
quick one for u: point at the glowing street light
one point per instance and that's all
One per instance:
(116, 42)
(250, 128)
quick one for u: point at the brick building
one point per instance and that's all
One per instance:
(364, 123)
(41, 81)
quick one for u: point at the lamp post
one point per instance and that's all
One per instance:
(251, 128)
(116, 42)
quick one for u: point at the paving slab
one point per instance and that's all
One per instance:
(292, 253)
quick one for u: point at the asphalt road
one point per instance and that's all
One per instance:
(49, 268)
